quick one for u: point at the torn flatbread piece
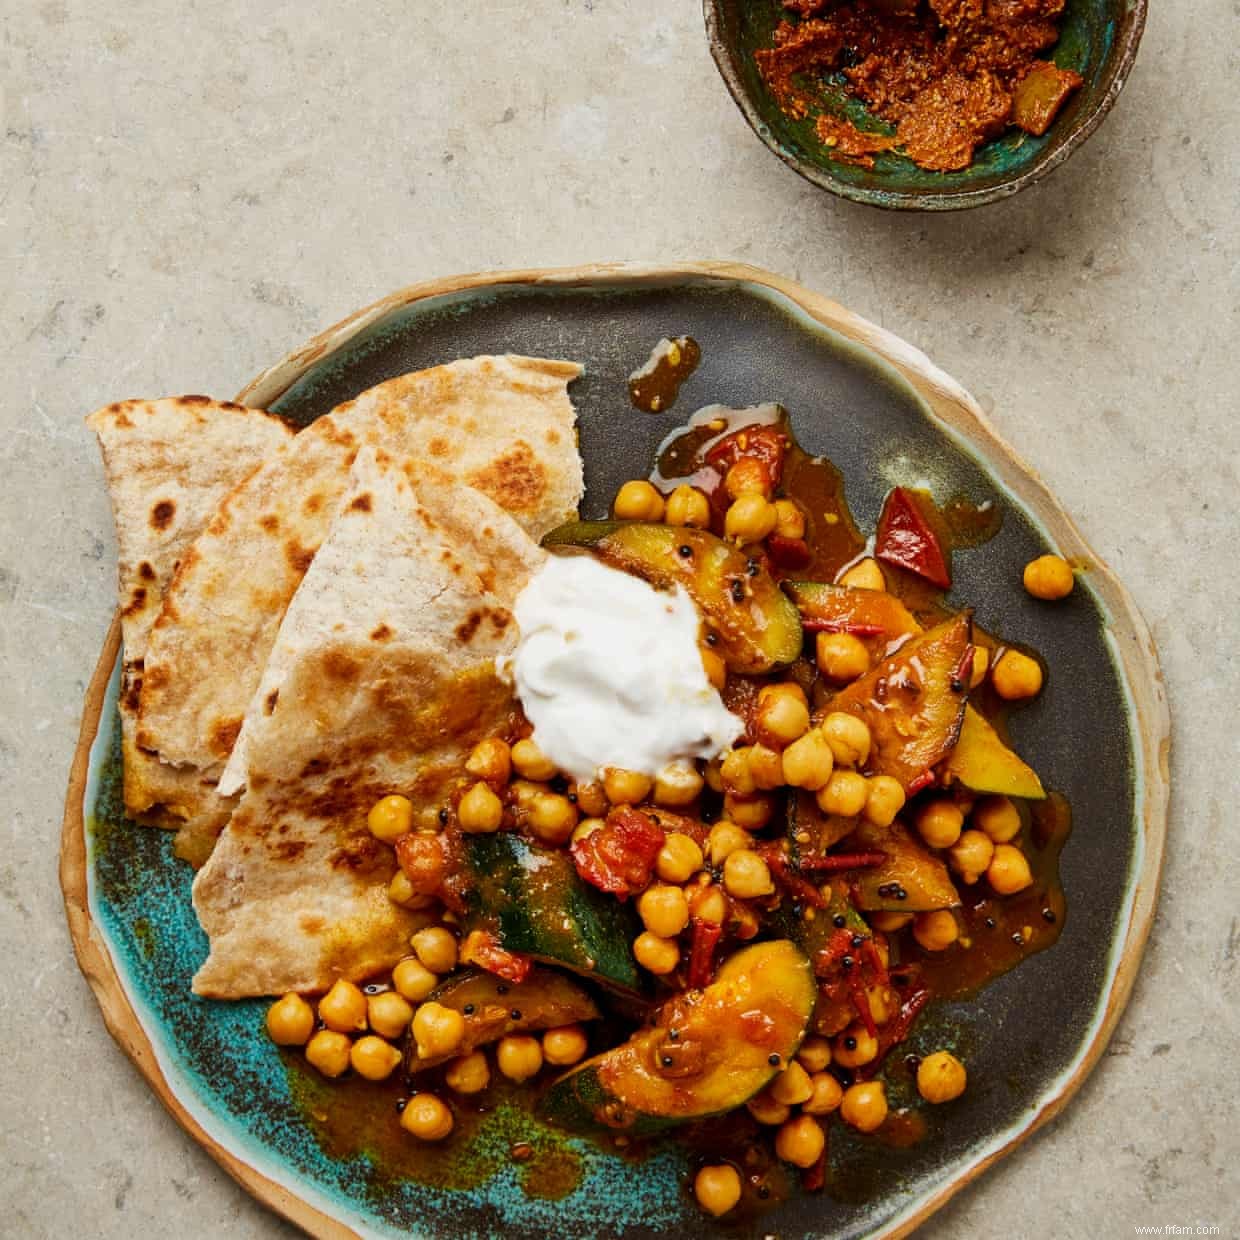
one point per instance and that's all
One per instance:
(504, 425)
(168, 463)
(381, 679)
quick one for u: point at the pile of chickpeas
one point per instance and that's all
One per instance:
(355, 1029)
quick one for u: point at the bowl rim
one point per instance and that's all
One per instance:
(1116, 70)
(956, 414)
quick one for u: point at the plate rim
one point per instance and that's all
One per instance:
(955, 411)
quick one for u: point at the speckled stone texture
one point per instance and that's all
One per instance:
(189, 190)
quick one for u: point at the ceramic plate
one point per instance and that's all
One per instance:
(884, 414)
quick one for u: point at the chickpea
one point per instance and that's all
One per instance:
(679, 858)
(519, 1057)
(792, 1086)
(426, 1118)
(848, 736)
(552, 818)
(717, 1189)
(882, 1003)
(845, 794)
(1016, 676)
(736, 773)
(638, 501)
(935, 931)
(480, 811)
(866, 574)
(491, 760)
(469, 1074)
(855, 1047)
(767, 767)
(525, 792)
(998, 818)
(767, 1110)
(746, 876)
(864, 1106)
(752, 813)
(708, 903)
(389, 1013)
(713, 774)
(677, 784)
(971, 855)
(400, 891)
(413, 980)
(688, 506)
(1048, 577)
(826, 1095)
(939, 822)
(808, 761)
(373, 1058)
(715, 668)
(437, 1030)
(390, 818)
(750, 519)
(747, 477)
(436, 948)
(781, 717)
(815, 1054)
(626, 787)
(530, 762)
(566, 1045)
(587, 826)
(591, 799)
(981, 661)
(290, 1021)
(328, 1051)
(941, 1077)
(789, 519)
(884, 799)
(889, 922)
(800, 1141)
(656, 955)
(841, 657)
(1008, 871)
(664, 910)
(343, 1008)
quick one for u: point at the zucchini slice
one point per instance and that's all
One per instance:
(493, 1008)
(758, 625)
(534, 902)
(983, 763)
(709, 1051)
(911, 868)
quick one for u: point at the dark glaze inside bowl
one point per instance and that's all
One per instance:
(1098, 40)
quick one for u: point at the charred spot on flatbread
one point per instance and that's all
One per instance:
(146, 571)
(360, 503)
(516, 480)
(299, 557)
(137, 600)
(224, 734)
(162, 513)
(381, 634)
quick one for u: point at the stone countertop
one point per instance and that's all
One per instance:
(186, 192)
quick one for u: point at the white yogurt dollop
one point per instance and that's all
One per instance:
(609, 672)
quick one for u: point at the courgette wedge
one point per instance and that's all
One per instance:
(534, 902)
(709, 1051)
(757, 624)
(983, 763)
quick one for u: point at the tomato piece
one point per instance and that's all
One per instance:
(767, 445)
(619, 857)
(789, 554)
(482, 948)
(906, 540)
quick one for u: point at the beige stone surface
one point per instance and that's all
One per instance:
(189, 190)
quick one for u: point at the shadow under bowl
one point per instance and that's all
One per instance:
(1098, 39)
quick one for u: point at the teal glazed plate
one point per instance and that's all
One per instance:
(884, 413)
(1098, 39)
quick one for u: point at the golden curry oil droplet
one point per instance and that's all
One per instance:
(654, 386)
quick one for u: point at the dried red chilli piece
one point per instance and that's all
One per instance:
(706, 936)
(869, 949)
(789, 554)
(813, 625)
(842, 861)
(619, 857)
(484, 949)
(963, 672)
(896, 1030)
(801, 890)
(923, 781)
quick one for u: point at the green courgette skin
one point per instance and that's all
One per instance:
(533, 900)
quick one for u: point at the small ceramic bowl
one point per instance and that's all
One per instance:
(1098, 39)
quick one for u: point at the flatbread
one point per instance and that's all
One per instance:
(168, 463)
(504, 425)
(381, 679)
